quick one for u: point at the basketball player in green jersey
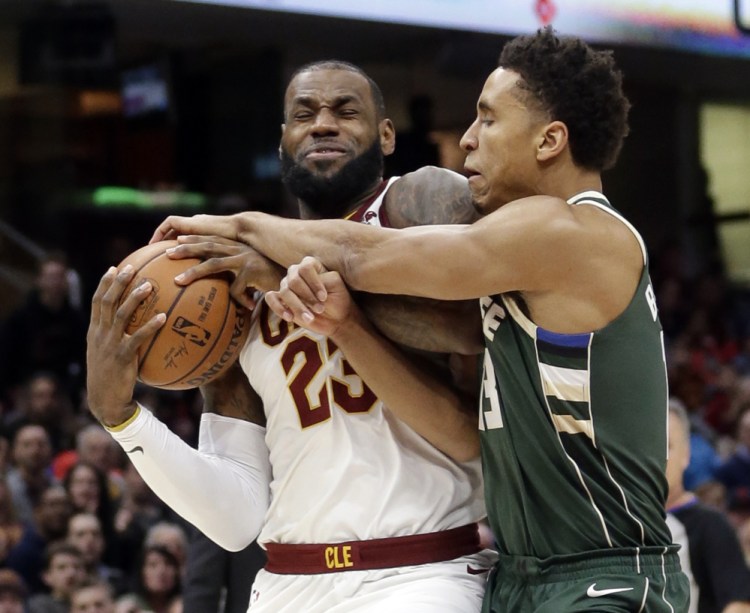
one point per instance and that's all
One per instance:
(574, 394)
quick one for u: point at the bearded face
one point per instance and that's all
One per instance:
(330, 194)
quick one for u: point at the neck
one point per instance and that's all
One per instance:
(306, 212)
(678, 499)
(565, 181)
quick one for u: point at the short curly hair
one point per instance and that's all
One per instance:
(577, 85)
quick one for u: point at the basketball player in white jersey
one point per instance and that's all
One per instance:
(371, 460)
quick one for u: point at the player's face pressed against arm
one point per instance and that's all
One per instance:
(332, 136)
(499, 253)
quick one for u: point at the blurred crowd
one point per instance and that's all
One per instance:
(78, 525)
(80, 531)
(706, 322)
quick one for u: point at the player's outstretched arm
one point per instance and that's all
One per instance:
(229, 471)
(528, 245)
(425, 402)
(418, 323)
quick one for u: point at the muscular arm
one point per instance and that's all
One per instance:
(427, 196)
(428, 405)
(525, 245)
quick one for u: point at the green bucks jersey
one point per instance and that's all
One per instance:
(573, 427)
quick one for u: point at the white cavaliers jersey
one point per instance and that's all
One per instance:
(344, 467)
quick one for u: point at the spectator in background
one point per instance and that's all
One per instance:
(50, 523)
(217, 579)
(43, 402)
(45, 333)
(95, 446)
(12, 592)
(738, 506)
(63, 573)
(704, 459)
(87, 487)
(128, 603)
(173, 537)
(85, 533)
(138, 511)
(11, 529)
(30, 474)
(710, 555)
(734, 472)
(157, 583)
(93, 597)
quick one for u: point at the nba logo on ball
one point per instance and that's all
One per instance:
(205, 329)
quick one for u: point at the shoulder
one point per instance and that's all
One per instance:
(430, 195)
(579, 230)
(537, 216)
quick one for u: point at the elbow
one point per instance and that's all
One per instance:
(235, 541)
(235, 535)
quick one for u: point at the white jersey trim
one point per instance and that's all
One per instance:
(586, 198)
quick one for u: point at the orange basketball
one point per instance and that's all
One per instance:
(204, 331)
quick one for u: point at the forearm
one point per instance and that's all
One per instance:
(425, 403)
(340, 245)
(222, 488)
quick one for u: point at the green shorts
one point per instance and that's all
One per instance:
(617, 580)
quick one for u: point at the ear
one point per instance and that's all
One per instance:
(387, 137)
(553, 141)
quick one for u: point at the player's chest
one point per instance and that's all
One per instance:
(302, 376)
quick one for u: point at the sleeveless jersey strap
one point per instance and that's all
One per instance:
(599, 200)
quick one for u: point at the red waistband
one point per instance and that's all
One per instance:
(314, 559)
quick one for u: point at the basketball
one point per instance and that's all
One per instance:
(204, 332)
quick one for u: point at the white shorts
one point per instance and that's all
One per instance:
(455, 586)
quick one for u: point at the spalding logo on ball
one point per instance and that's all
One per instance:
(205, 329)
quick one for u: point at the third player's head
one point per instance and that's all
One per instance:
(334, 136)
(550, 118)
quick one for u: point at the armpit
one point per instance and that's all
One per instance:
(231, 395)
